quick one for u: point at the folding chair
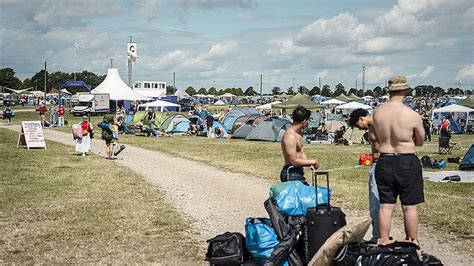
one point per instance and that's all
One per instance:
(444, 146)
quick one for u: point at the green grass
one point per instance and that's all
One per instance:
(264, 159)
(57, 208)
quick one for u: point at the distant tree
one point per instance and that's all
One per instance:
(291, 91)
(250, 92)
(90, 78)
(220, 92)
(190, 90)
(202, 91)
(276, 91)
(57, 78)
(352, 91)
(339, 89)
(8, 79)
(38, 81)
(237, 92)
(170, 90)
(315, 91)
(212, 91)
(303, 90)
(378, 91)
(326, 91)
(369, 93)
(360, 93)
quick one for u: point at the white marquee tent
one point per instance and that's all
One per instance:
(117, 89)
(267, 106)
(333, 101)
(349, 107)
(159, 104)
(457, 111)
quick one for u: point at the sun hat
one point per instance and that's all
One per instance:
(397, 83)
(85, 117)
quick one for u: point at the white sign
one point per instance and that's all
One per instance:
(132, 51)
(31, 135)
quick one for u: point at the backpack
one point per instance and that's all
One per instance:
(426, 162)
(441, 164)
(227, 249)
(76, 131)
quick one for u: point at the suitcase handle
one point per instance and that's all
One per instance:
(315, 184)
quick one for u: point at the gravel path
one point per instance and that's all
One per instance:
(215, 201)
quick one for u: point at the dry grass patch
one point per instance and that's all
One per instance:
(57, 207)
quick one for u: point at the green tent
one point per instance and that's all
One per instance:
(160, 117)
(298, 100)
(468, 102)
(353, 97)
(344, 98)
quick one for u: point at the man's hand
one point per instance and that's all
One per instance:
(315, 165)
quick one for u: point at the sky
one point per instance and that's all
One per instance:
(230, 43)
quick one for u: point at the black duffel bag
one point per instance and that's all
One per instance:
(227, 249)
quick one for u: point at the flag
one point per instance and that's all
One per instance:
(132, 51)
(460, 82)
(78, 45)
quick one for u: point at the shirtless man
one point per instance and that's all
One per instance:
(360, 118)
(398, 172)
(293, 151)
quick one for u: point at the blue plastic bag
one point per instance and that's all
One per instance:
(260, 239)
(297, 197)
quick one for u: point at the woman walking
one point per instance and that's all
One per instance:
(83, 144)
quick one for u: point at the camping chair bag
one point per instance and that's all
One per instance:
(295, 197)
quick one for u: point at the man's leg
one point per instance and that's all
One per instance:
(374, 203)
(385, 220)
(410, 218)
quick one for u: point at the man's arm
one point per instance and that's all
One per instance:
(419, 132)
(289, 149)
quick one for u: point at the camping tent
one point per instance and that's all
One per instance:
(344, 98)
(468, 102)
(228, 95)
(267, 106)
(233, 115)
(467, 162)
(116, 88)
(349, 107)
(298, 100)
(182, 94)
(219, 102)
(269, 130)
(333, 101)
(353, 97)
(456, 111)
(243, 131)
(159, 104)
(159, 118)
(175, 124)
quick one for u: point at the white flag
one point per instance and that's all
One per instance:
(78, 45)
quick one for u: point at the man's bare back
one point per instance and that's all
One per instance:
(374, 142)
(399, 129)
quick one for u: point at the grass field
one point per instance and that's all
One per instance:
(60, 208)
(448, 207)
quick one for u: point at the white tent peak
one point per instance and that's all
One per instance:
(117, 89)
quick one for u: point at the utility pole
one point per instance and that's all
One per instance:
(174, 82)
(293, 85)
(111, 63)
(356, 84)
(45, 76)
(363, 78)
(319, 83)
(261, 79)
(130, 68)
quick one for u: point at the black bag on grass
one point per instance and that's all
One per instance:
(426, 161)
(227, 249)
(397, 253)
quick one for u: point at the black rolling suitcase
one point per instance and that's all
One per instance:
(322, 222)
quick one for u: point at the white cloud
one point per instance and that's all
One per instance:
(443, 43)
(171, 60)
(465, 74)
(386, 44)
(211, 4)
(376, 75)
(223, 49)
(321, 75)
(148, 8)
(287, 47)
(341, 29)
(424, 74)
(197, 64)
(214, 73)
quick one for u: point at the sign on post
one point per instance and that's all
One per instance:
(31, 135)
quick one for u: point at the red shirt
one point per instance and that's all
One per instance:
(85, 125)
(61, 111)
(42, 110)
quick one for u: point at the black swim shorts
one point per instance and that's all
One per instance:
(399, 175)
(292, 173)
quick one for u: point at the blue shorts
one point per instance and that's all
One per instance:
(292, 173)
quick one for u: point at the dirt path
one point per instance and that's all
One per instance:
(216, 201)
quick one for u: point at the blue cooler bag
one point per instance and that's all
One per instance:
(294, 197)
(260, 239)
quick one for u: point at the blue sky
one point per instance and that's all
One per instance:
(229, 43)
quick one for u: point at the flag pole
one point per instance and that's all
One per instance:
(75, 54)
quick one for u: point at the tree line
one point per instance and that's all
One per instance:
(8, 79)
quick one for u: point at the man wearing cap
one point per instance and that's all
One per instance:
(398, 172)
